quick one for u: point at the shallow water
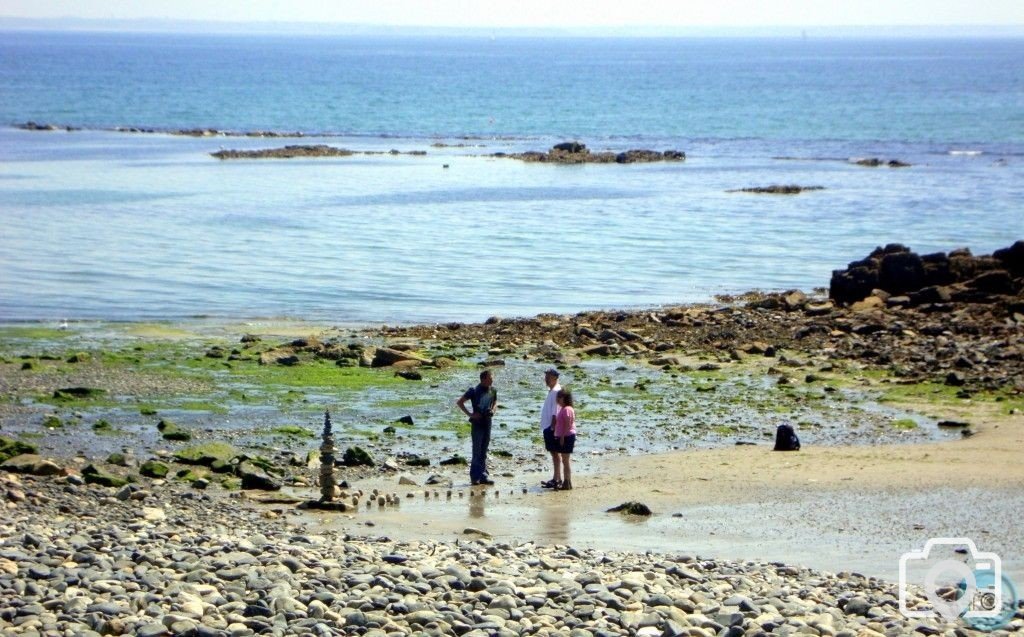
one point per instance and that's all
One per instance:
(861, 532)
(622, 407)
(100, 225)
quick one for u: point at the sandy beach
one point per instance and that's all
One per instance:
(850, 508)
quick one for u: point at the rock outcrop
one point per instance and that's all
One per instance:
(576, 153)
(898, 276)
(776, 189)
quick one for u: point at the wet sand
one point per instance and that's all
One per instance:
(849, 508)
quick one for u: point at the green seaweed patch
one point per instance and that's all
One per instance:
(904, 424)
(10, 448)
(207, 454)
(158, 331)
(102, 426)
(202, 405)
(927, 392)
(78, 393)
(33, 333)
(317, 374)
(293, 430)
(460, 428)
(171, 431)
(154, 469)
(191, 475)
(404, 403)
(52, 421)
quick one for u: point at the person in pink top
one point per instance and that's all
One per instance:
(565, 435)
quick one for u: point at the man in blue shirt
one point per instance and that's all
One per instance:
(484, 400)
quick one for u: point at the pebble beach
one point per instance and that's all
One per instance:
(157, 559)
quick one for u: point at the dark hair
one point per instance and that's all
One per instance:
(484, 374)
(566, 397)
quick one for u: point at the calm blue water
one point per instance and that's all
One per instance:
(98, 224)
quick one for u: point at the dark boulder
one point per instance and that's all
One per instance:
(1012, 258)
(931, 294)
(901, 272)
(570, 147)
(94, 475)
(256, 477)
(357, 456)
(631, 508)
(852, 285)
(936, 269)
(993, 282)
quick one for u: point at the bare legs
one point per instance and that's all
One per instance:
(566, 462)
(556, 462)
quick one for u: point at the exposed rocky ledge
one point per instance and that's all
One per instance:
(577, 153)
(185, 132)
(870, 162)
(317, 150)
(214, 132)
(776, 189)
(895, 276)
(875, 162)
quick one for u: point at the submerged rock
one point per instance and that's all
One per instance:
(776, 189)
(288, 152)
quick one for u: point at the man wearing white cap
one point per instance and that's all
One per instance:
(547, 426)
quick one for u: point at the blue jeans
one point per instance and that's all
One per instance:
(481, 434)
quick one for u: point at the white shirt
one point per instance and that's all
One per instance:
(547, 412)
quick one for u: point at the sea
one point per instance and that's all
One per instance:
(102, 224)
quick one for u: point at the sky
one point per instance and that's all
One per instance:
(542, 13)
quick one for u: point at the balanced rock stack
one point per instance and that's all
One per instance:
(900, 277)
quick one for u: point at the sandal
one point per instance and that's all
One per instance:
(565, 486)
(551, 484)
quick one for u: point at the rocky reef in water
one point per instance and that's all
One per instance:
(313, 150)
(791, 189)
(577, 153)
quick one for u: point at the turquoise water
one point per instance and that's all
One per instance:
(98, 224)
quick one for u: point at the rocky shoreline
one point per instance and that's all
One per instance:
(954, 319)
(155, 559)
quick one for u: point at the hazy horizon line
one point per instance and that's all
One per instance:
(231, 27)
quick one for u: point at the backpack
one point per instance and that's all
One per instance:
(785, 439)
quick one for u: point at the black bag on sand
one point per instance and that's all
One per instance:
(785, 439)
